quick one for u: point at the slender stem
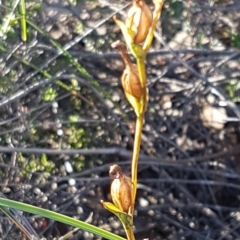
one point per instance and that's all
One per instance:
(22, 11)
(136, 151)
(138, 128)
(141, 71)
(129, 233)
(125, 57)
(143, 80)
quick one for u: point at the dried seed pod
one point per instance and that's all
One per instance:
(139, 20)
(121, 188)
(130, 78)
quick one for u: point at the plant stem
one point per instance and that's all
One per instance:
(123, 52)
(129, 233)
(141, 71)
(138, 129)
(22, 11)
(136, 151)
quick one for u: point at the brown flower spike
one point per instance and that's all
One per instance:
(121, 188)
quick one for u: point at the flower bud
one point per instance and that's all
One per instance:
(131, 83)
(139, 20)
(130, 78)
(121, 188)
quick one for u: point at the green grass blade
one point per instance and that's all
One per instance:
(60, 218)
(43, 72)
(23, 22)
(73, 61)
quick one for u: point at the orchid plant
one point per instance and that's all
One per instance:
(138, 31)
